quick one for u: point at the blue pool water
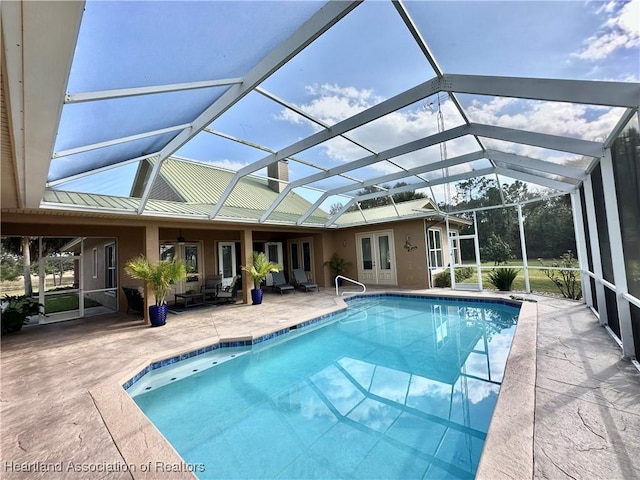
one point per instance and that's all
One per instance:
(395, 388)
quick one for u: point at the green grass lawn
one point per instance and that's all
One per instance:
(66, 302)
(538, 281)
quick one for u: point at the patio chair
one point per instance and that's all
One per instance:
(302, 281)
(229, 294)
(280, 283)
(212, 285)
(135, 300)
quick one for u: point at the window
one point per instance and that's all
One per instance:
(306, 256)
(111, 278)
(294, 256)
(94, 263)
(191, 263)
(384, 252)
(455, 247)
(367, 256)
(435, 248)
(167, 252)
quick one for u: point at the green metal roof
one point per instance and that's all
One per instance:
(201, 183)
(200, 186)
(420, 208)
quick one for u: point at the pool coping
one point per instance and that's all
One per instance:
(146, 452)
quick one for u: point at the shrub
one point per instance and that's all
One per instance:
(463, 273)
(10, 267)
(496, 250)
(502, 278)
(567, 281)
(16, 310)
(443, 279)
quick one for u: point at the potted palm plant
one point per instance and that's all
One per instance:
(338, 265)
(258, 270)
(159, 277)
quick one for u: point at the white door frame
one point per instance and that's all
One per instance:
(279, 257)
(299, 259)
(226, 280)
(377, 275)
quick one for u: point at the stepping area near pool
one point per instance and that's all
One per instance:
(58, 379)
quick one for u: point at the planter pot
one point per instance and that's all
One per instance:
(339, 281)
(158, 315)
(256, 296)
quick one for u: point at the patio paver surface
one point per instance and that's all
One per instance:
(587, 417)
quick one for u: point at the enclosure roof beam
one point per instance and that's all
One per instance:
(319, 23)
(470, 157)
(622, 123)
(98, 170)
(391, 105)
(369, 160)
(118, 141)
(426, 51)
(528, 177)
(309, 117)
(406, 188)
(536, 164)
(137, 91)
(610, 94)
(542, 140)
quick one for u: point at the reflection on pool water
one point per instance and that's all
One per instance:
(396, 387)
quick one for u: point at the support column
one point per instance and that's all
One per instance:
(246, 247)
(617, 255)
(595, 249)
(152, 252)
(452, 270)
(581, 246)
(523, 247)
(476, 245)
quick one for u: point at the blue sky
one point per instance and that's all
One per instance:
(367, 57)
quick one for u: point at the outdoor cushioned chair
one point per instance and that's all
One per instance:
(212, 286)
(135, 301)
(302, 281)
(280, 283)
(229, 294)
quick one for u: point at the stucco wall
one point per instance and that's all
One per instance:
(411, 266)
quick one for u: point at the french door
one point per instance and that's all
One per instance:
(376, 258)
(190, 254)
(273, 252)
(227, 262)
(301, 256)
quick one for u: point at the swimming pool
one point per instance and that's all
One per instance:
(396, 387)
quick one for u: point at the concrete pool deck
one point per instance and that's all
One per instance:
(54, 378)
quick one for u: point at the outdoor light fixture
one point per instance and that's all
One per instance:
(408, 246)
(180, 238)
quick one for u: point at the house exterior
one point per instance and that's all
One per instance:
(391, 245)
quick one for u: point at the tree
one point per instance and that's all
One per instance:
(374, 202)
(28, 249)
(497, 250)
(406, 196)
(385, 199)
(548, 227)
(335, 208)
(10, 266)
(548, 224)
